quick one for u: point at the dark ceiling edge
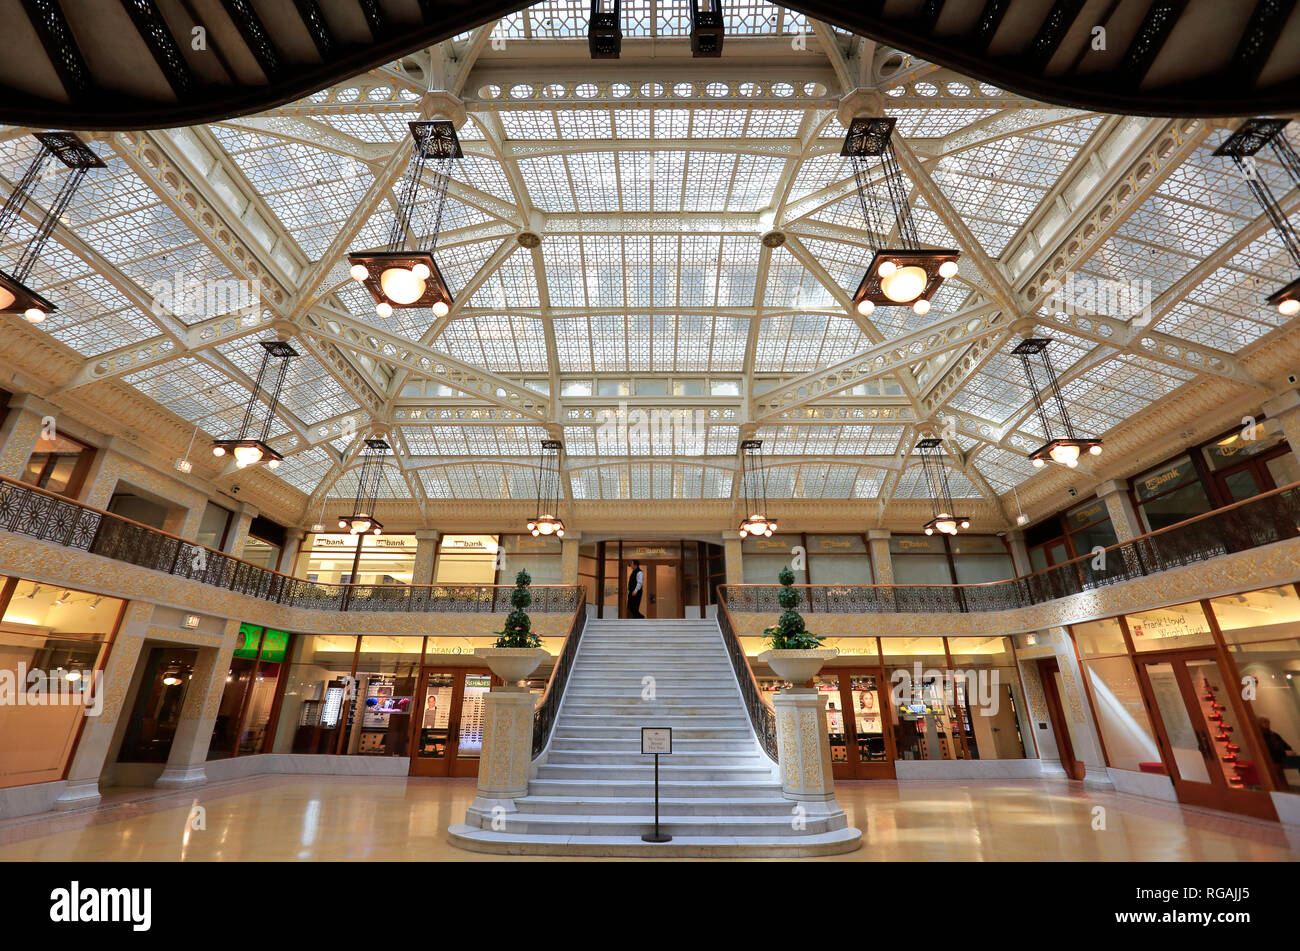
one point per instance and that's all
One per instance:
(147, 114)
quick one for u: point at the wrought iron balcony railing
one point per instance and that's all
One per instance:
(761, 714)
(34, 513)
(1262, 520)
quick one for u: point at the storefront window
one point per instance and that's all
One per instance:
(987, 688)
(328, 558)
(1169, 494)
(315, 695)
(261, 553)
(1183, 625)
(467, 559)
(539, 556)
(58, 465)
(213, 526)
(926, 724)
(763, 560)
(919, 559)
(1262, 629)
(62, 635)
(386, 559)
(1121, 714)
(244, 714)
(839, 560)
(1090, 527)
(979, 559)
(1099, 638)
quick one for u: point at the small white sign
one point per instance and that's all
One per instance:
(656, 739)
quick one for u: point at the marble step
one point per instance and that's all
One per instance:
(601, 825)
(634, 704)
(678, 757)
(668, 788)
(633, 745)
(474, 839)
(645, 806)
(597, 694)
(601, 774)
(582, 721)
(565, 731)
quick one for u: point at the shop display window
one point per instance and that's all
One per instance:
(1183, 625)
(1122, 717)
(318, 683)
(540, 557)
(467, 559)
(1169, 494)
(58, 464)
(63, 635)
(839, 560)
(1099, 638)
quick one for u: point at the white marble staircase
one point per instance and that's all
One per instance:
(592, 791)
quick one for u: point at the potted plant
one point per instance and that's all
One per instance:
(518, 649)
(796, 653)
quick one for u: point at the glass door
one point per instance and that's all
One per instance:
(448, 727)
(1200, 734)
(857, 709)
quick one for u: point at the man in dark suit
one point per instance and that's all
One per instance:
(635, 584)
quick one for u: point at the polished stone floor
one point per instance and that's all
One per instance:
(345, 818)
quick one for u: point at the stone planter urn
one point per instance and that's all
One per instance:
(798, 666)
(511, 664)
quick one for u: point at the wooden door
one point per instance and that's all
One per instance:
(1049, 672)
(447, 727)
(860, 723)
(1202, 734)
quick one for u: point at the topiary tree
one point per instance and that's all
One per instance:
(519, 627)
(789, 632)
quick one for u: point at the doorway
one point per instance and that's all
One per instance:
(1202, 733)
(857, 712)
(1049, 672)
(158, 705)
(448, 726)
(662, 594)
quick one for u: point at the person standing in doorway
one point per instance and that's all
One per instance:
(635, 581)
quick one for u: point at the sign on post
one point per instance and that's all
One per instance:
(659, 741)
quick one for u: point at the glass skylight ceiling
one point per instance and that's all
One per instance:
(650, 188)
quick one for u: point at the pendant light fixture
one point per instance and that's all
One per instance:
(362, 521)
(15, 296)
(1241, 147)
(936, 479)
(753, 482)
(707, 27)
(399, 277)
(905, 273)
(547, 521)
(605, 30)
(249, 451)
(1063, 450)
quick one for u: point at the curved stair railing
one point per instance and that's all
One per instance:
(761, 714)
(549, 705)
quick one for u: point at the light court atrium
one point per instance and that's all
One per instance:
(657, 429)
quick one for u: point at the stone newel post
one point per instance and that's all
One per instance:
(803, 745)
(507, 744)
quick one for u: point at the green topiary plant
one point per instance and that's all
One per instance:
(519, 628)
(789, 634)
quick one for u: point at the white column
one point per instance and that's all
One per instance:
(1119, 506)
(507, 748)
(803, 745)
(1019, 553)
(882, 563)
(20, 431)
(426, 546)
(239, 534)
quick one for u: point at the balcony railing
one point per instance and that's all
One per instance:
(34, 513)
(1262, 520)
(761, 714)
(549, 705)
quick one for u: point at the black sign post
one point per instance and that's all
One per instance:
(656, 740)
